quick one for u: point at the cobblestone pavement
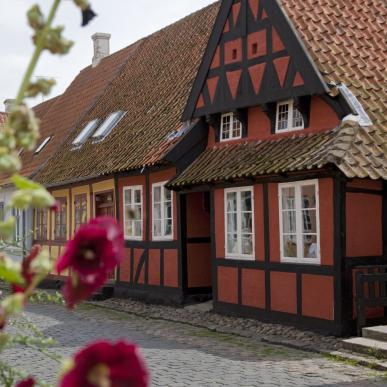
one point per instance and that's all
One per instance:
(182, 355)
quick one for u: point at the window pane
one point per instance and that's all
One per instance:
(157, 228)
(308, 196)
(231, 202)
(137, 196)
(290, 246)
(288, 198)
(157, 211)
(129, 213)
(236, 128)
(137, 228)
(283, 117)
(310, 246)
(309, 222)
(247, 222)
(298, 120)
(157, 194)
(232, 223)
(128, 196)
(246, 201)
(168, 210)
(128, 228)
(247, 244)
(232, 243)
(168, 227)
(289, 222)
(226, 127)
(137, 212)
(168, 194)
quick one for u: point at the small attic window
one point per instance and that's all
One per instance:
(42, 145)
(107, 126)
(288, 117)
(85, 133)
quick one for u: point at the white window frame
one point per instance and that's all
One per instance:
(86, 132)
(133, 188)
(107, 126)
(291, 109)
(239, 256)
(231, 136)
(42, 145)
(299, 222)
(162, 237)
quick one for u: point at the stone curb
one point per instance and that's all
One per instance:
(265, 339)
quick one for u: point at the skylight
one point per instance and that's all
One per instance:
(85, 133)
(107, 126)
(42, 145)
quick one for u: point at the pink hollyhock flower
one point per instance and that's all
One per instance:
(30, 382)
(95, 251)
(26, 272)
(106, 364)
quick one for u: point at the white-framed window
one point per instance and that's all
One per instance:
(288, 117)
(230, 127)
(133, 218)
(299, 222)
(162, 214)
(108, 125)
(42, 145)
(239, 222)
(85, 133)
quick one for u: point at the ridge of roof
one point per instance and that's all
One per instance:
(152, 88)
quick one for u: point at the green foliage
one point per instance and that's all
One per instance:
(10, 271)
(42, 297)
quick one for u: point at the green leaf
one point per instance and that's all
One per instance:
(24, 183)
(10, 271)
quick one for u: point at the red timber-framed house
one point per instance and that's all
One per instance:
(249, 142)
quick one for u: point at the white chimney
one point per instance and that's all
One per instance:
(8, 103)
(101, 47)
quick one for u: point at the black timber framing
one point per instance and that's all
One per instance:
(342, 281)
(300, 61)
(384, 220)
(182, 240)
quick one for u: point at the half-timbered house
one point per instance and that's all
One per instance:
(243, 150)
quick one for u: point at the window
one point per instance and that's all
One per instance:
(239, 220)
(42, 145)
(41, 224)
(162, 212)
(60, 224)
(107, 126)
(85, 133)
(299, 220)
(230, 127)
(288, 117)
(18, 224)
(2, 212)
(80, 209)
(133, 212)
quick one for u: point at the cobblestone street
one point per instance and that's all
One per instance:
(181, 355)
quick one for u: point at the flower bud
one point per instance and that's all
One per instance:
(13, 304)
(9, 163)
(35, 18)
(55, 43)
(7, 228)
(42, 264)
(41, 198)
(21, 199)
(42, 86)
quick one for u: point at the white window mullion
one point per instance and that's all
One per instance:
(299, 222)
(239, 222)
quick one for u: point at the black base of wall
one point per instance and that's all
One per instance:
(324, 327)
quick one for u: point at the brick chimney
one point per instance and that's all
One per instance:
(101, 47)
(8, 103)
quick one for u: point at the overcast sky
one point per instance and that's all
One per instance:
(126, 20)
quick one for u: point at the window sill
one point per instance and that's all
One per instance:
(240, 257)
(134, 238)
(162, 239)
(302, 261)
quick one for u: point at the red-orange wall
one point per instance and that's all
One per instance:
(364, 222)
(322, 117)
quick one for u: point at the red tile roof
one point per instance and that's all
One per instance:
(64, 112)
(153, 89)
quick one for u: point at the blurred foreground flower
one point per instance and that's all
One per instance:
(30, 382)
(104, 364)
(94, 252)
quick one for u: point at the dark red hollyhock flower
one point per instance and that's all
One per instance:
(30, 382)
(27, 273)
(95, 251)
(106, 364)
(55, 207)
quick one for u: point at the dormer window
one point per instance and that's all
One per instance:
(42, 145)
(85, 134)
(107, 126)
(230, 127)
(288, 117)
